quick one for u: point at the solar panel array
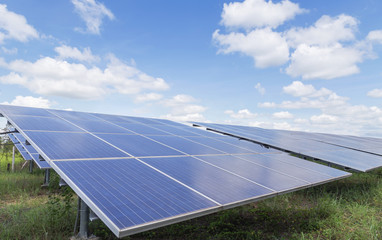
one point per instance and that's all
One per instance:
(140, 173)
(361, 154)
(27, 151)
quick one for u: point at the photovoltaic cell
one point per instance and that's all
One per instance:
(141, 173)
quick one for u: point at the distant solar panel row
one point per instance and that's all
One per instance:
(368, 145)
(340, 150)
(139, 173)
(27, 151)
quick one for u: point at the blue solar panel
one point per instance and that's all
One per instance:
(216, 183)
(186, 146)
(132, 144)
(141, 129)
(27, 151)
(50, 124)
(161, 172)
(15, 110)
(311, 145)
(148, 196)
(62, 145)
(226, 147)
(95, 126)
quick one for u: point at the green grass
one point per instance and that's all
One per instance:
(347, 209)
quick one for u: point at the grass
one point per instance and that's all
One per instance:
(347, 209)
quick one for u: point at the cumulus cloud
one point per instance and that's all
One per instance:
(260, 89)
(15, 26)
(29, 101)
(67, 52)
(10, 51)
(258, 13)
(148, 97)
(298, 89)
(375, 36)
(375, 93)
(283, 115)
(49, 76)
(327, 49)
(312, 62)
(325, 31)
(324, 119)
(92, 12)
(184, 108)
(336, 114)
(241, 114)
(266, 47)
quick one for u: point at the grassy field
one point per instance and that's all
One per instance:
(347, 209)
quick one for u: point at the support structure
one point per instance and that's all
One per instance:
(31, 163)
(13, 159)
(46, 178)
(84, 220)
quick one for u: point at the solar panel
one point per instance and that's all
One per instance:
(368, 145)
(141, 173)
(350, 152)
(27, 151)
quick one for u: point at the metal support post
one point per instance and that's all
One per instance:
(46, 178)
(13, 159)
(31, 166)
(84, 220)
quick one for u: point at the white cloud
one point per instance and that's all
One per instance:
(10, 51)
(375, 36)
(283, 115)
(335, 113)
(92, 12)
(48, 76)
(241, 114)
(324, 62)
(325, 31)
(324, 119)
(266, 47)
(258, 13)
(67, 52)
(29, 101)
(15, 26)
(148, 97)
(183, 108)
(298, 89)
(301, 121)
(260, 89)
(376, 93)
(325, 50)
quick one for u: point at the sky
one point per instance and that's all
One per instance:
(295, 65)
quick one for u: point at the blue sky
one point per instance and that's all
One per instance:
(298, 65)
